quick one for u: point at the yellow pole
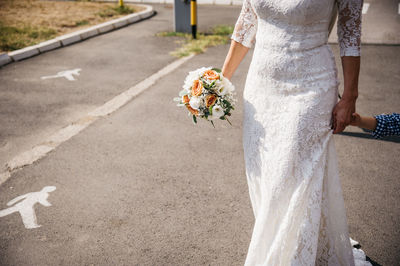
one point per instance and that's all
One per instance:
(193, 17)
(121, 3)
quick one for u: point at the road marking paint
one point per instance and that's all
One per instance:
(68, 74)
(39, 151)
(365, 8)
(126, 96)
(24, 205)
(398, 10)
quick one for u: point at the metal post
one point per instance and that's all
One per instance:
(182, 16)
(193, 17)
(121, 3)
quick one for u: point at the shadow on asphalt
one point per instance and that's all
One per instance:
(374, 263)
(368, 135)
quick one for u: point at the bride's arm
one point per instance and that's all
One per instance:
(349, 38)
(243, 38)
(235, 55)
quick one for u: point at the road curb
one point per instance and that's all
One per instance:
(4, 59)
(77, 36)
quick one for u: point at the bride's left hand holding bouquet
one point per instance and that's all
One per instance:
(207, 94)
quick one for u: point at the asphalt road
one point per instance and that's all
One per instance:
(32, 108)
(145, 186)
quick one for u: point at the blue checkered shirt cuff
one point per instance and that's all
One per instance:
(387, 125)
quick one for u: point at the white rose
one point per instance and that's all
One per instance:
(225, 87)
(222, 90)
(195, 102)
(196, 74)
(217, 111)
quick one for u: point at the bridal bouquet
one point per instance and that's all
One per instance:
(207, 94)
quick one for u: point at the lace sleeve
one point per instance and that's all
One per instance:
(349, 27)
(246, 25)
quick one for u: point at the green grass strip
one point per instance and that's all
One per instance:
(219, 34)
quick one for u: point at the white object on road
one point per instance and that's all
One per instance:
(353, 242)
(365, 8)
(360, 259)
(68, 74)
(25, 206)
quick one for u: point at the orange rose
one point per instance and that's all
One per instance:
(197, 88)
(210, 99)
(211, 74)
(193, 111)
(185, 99)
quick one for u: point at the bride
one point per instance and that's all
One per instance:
(290, 113)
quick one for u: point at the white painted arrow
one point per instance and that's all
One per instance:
(68, 74)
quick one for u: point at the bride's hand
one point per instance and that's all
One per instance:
(342, 114)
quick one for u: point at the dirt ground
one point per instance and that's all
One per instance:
(26, 22)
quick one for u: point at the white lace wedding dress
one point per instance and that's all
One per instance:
(291, 165)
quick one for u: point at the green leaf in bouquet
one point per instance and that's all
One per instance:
(206, 85)
(194, 119)
(210, 109)
(212, 84)
(216, 69)
(226, 102)
(207, 88)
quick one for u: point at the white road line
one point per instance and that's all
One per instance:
(40, 150)
(398, 10)
(365, 8)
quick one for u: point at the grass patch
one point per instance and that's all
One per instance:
(222, 30)
(28, 22)
(81, 22)
(13, 38)
(114, 11)
(219, 34)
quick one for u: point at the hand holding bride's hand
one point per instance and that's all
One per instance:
(342, 114)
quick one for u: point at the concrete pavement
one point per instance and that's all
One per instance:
(32, 109)
(132, 188)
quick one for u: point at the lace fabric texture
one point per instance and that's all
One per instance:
(348, 25)
(291, 165)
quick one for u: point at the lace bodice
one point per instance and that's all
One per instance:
(280, 12)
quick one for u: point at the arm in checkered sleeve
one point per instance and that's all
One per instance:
(387, 125)
(380, 125)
